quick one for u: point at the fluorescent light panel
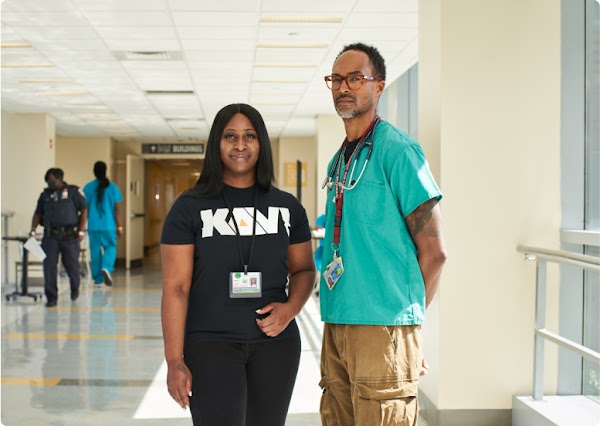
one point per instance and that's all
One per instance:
(28, 65)
(16, 44)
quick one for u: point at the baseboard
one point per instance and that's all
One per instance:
(436, 417)
(135, 263)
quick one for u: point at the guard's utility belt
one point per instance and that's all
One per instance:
(64, 232)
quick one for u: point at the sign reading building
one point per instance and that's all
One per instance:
(172, 148)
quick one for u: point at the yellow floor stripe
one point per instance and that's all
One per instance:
(67, 336)
(98, 309)
(27, 381)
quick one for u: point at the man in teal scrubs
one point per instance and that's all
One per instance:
(382, 258)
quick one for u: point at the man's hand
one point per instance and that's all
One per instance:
(424, 368)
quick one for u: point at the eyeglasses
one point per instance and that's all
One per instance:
(354, 81)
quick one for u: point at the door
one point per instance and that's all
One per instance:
(134, 218)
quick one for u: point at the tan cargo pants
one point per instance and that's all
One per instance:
(370, 375)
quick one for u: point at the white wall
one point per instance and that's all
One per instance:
(28, 151)
(77, 155)
(489, 122)
(330, 135)
(303, 149)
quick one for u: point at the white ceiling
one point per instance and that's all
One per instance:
(217, 52)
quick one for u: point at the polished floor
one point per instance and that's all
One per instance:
(99, 360)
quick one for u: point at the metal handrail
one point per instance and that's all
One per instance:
(542, 256)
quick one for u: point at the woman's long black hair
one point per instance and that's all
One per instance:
(100, 173)
(210, 182)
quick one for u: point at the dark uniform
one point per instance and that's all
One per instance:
(60, 210)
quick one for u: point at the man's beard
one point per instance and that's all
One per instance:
(354, 112)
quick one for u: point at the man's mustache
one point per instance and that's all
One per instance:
(345, 96)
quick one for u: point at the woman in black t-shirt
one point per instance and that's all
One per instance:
(229, 246)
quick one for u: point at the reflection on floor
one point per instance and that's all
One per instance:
(100, 361)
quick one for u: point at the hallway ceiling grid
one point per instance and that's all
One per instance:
(159, 70)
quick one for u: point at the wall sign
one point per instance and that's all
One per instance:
(172, 148)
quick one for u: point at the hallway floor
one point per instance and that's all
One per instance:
(99, 360)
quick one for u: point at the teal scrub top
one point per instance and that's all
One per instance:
(382, 282)
(101, 216)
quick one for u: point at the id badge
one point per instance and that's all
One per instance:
(245, 285)
(333, 272)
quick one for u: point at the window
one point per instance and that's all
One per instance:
(591, 289)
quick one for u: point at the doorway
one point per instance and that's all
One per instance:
(165, 181)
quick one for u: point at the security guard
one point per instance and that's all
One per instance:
(62, 210)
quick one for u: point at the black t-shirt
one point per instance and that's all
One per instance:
(350, 147)
(205, 222)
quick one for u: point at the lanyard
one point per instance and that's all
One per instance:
(237, 231)
(341, 184)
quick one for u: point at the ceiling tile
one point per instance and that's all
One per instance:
(143, 45)
(36, 5)
(120, 5)
(393, 20)
(297, 33)
(211, 33)
(221, 20)
(217, 6)
(44, 19)
(136, 32)
(288, 8)
(385, 6)
(33, 33)
(133, 19)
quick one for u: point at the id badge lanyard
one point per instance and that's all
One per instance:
(244, 283)
(335, 269)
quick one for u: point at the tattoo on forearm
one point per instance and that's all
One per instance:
(181, 368)
(420, 220)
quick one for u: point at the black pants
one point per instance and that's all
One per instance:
(69, 251)
(240, 384)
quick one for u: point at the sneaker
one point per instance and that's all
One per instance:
(107, 277)
(50, 303)
(97, 285)
(74, 295)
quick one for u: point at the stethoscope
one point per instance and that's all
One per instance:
(367, 141)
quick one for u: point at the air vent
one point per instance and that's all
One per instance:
(148, 55)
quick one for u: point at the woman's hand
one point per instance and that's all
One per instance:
(280, 315)
(179, 383)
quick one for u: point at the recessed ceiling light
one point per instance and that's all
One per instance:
(287, 19)
(28, 65)
(16, 44)
(292, 45)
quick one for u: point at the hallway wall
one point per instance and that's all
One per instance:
(28, 150)
(489, 113)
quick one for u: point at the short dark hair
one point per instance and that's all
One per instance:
(375, 57)
(56, 172)
(210, 182)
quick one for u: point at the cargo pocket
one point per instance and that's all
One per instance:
(386, 403)
(325, 407)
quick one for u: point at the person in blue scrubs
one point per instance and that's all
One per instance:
(104, 225)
